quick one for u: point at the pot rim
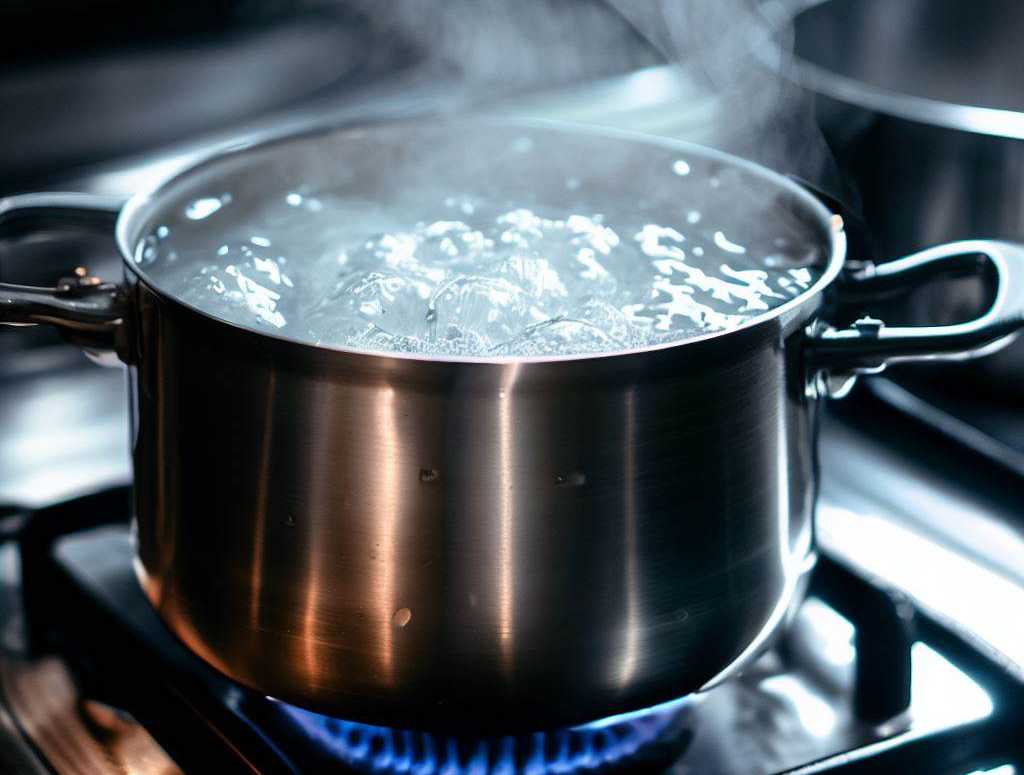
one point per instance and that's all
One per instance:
(956, 116)
(805, 73)
(145, 201)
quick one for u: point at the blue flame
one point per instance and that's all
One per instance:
(592, 747)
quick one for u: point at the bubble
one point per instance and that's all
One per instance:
(552, 337)
(203, 208)
(468, 274)
(493, 307)
(726, 244)
(802, 277)
(147, 251)
(535, 275)
(463, 204)
(375, 308)
(261, 300)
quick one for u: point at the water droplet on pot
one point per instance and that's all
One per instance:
(428, 475)
(402, 617)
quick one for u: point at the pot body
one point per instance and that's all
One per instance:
(428, 544)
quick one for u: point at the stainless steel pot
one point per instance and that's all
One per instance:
(513, 543)
(922, 102)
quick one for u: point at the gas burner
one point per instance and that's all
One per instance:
(629, 740)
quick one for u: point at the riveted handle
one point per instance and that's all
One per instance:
(87, 310)
(868, 346)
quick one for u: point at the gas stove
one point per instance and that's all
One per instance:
(907, 655)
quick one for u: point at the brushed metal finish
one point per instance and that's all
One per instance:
(435, 544)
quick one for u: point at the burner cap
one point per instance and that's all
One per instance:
(653, 735)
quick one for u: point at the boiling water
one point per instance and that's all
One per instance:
(471, 275)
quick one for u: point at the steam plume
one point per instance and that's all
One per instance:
(736, 54)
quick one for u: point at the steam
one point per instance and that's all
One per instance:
(499, 48)
(741, 52)
(733, 55)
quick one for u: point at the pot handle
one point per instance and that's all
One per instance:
(88, 311)
(868, 346)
